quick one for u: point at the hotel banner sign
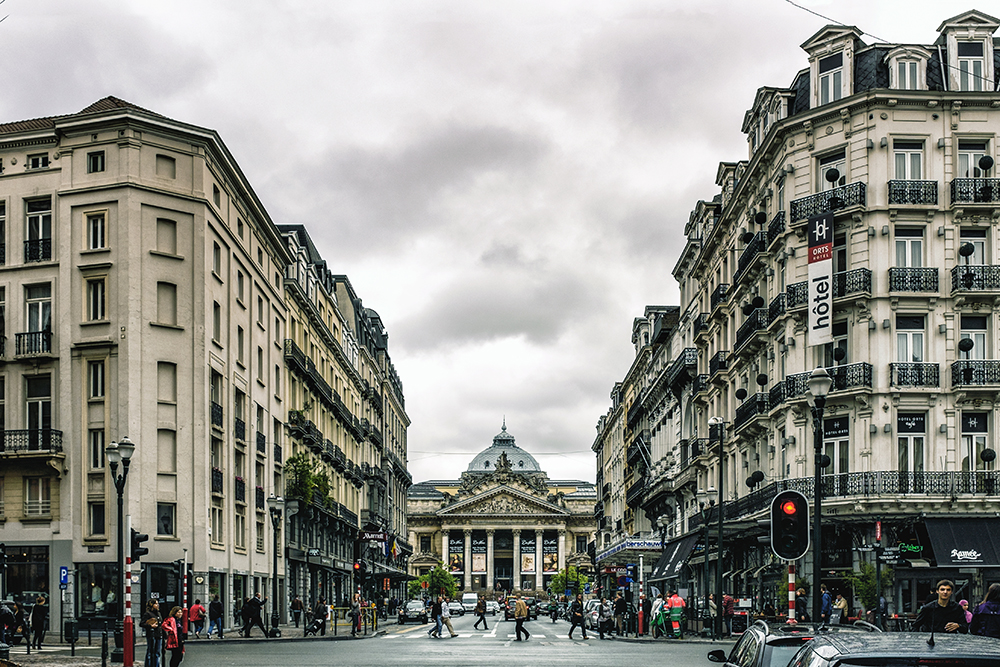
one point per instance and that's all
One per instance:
(820, 292)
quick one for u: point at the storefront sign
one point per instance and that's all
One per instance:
(374, 537)
(911, 422)
(838, 427)
(820, 290)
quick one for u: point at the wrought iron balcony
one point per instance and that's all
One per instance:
(699, 384)
(700, 446)
(798, 295)
(216, 410)
(217, 483)
(239, 429)
(975, 278)
(635, 493)
(914, 375)
(277, 453)
(718, 362)
(261, 443)
(776, 308)
(776, 395)
(845, 283)
(750, 253)
(39, 250)
(975, 372)
(598, 509)
(259, 497)
(848, 376)
(719, 295)
(913, 192)
(754, 405)
(32, 342)
(295, 357)
(701, 324)
(775, 228)
(683, 369)
(847, 196)
(913, 279)
(756, 321)
(240, 489)
(31, 441)
(975, 191)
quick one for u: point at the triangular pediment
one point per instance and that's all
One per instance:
(503, 500)
(831, 33)
(973, 18)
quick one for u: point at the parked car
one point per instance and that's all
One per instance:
(414, 610)
(469, 601)
(773, 645)
(590, 614)
(898, 648)
(492, 607)
(456, 608)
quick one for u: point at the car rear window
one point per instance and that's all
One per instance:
(917, 662)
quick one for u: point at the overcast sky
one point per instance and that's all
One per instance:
(506, 183)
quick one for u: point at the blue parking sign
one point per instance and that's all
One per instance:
(63, 575)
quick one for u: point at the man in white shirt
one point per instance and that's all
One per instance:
(446, 616)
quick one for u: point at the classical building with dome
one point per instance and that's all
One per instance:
(504, 525)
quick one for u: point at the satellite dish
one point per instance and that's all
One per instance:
(832, 175)
(741, 393)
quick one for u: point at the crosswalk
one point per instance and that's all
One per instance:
(468, 635)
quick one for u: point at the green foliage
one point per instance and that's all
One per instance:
(568, 578)
(299, 477)
(864, 583)
(438, 579)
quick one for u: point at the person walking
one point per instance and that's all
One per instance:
(215, 616)
(173, 635)
(647, 610)
(986, 618)
(520, 616)
(657, 622)
(435, 630)
(446, 616)
(150, 622)
(481, 613)
(39, 617)
(676, 604)
(355, 615)
(252, 611)
(728, 612)
(197, 617)
(801, 606)
(296, 610)
(826, 605)
(320, 612)
(943, 614)
(605, 617)
(619, 609)
(576, 616)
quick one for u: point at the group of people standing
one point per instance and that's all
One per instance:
(31, 626)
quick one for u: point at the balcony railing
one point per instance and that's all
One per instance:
(775, 228)
(261, 443)
(975, 372)
(913, 192)
(776, 395)
(750, 408)
(845, 283)
(216, 480)
(719, 295)
(39, 250)
(216, 410)
(701, 323)
(239, 429)
(277, 453)
(31, 441)
(914, 375)
(259, 498)
(683, 368)
(757, 321)
(635, 492)
(913, 279)
(240, 489)
(37, 507)
(848, 376)
(852, 194)
(718, 362)
(699, 384)
(975, 278)
(750, 253)
(33, 342)
(975, 190)
(776, 308)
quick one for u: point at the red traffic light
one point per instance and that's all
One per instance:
(357, 566)
(789, 507)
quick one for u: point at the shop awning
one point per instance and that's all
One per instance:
(965, 542)
(675, 554)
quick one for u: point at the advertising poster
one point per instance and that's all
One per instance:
(550, 554)
(528, 552)
(820, 292)
(528, 562)
(456, 554)
(479, 554)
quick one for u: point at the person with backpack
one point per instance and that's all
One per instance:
(986, 617)
(197, 617)
(215, 616)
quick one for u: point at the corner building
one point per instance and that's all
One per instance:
(504, 526)
(898, 142)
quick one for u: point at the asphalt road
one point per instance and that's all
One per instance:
(409, 645)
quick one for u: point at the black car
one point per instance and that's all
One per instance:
(773, 645)
(898, 648)
(414, 610)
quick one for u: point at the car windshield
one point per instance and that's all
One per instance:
(780, 655)
(414, 606)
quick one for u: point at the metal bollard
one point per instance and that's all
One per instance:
(104, 646)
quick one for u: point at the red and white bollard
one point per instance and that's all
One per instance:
(791, 593)
(128, 637)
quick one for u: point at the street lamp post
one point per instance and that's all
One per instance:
(120, 452)
(706, 502)
(720, 425)
(819, 386)
(276, 507)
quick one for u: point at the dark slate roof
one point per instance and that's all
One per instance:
(107, 104)
(870, 70)
(111, 103)
(425, 490)
(800, 103)
(934, 80)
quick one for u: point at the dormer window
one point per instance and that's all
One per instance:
(906, 75)
(831, 76)
(971, 66)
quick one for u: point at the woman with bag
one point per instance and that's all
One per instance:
(576, 616)
(986, 618)
(175, 640)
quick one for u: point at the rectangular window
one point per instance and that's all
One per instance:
(911, 429)
(425, 544)
(260, 536)
(975, 438)
(836, 161)
(240, 341)
(218, 534)
(95, 300)
(216, 321)
(37, 496)
(260, 310)
(910, 338)
(38, 161)
(166, 303)
(166, 236)
(166, 514)
(95, 379)
(38, 244)
(3, 231)
(239, 228)
(216, 195)
(95, 231)
(240, 527)
(166, 166)
(260, 364)
(971, 66)
(969, 155)
(831, 356)
(974, 328)
(909, 247)
(239, 285)
(38, 301)
(977, 239)
(831, 72)
(95, 515)
(909, 156)
(906, 75)
(96, 441)
(95, 162)
(277, 379)
(38, 406)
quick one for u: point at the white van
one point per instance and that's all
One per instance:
(469, 601)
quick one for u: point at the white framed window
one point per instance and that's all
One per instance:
(974, 328)
(38, 301)
(38, 407)
(909, 247)
(911, 429)
(96, 309)
(971, 66)
(906, 75)
(96, 232)
(95, 162)
(95, 379)
(37, 496)
(37, 161)
(831, 77)
(218, 523)
(975, 429)
(95, 442)
(977, 239)
(39, 230)
(240, 528)
(969, 155)
(910, 338)
(836, 161)
(166, 519)
(839, 343)
(908, 156)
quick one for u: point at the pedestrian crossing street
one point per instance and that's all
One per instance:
(482, 635)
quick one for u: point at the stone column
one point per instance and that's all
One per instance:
(539, 577)
(516, 583)
(489, 558)
(468, 560)
(414, 542)
(562, 548)
(444, 549)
